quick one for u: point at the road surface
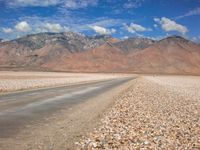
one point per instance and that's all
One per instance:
(22, 108)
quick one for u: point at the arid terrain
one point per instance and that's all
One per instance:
(55, 116)
(101, 103)
(16, 81)
(136, 93)
(126, 112)
(161, 112)
(99, 74)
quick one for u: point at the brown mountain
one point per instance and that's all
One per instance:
(134, 44)
(79, 53)
(174, 55)
(34, 50)
(106, 58)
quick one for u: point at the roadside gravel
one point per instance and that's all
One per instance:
(16, 81)
(154, 113)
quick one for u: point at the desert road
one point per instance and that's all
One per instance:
(22, 108)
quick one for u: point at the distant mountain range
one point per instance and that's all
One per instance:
(78, 53)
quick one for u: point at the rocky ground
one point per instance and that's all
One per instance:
(160, 112)
(60, 129)
(15, 81)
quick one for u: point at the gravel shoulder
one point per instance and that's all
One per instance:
(153, 113)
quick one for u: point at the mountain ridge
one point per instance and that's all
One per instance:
(78, 53)
(134, 44)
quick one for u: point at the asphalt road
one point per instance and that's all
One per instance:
(28, 107)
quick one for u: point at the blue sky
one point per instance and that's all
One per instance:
(119, 18)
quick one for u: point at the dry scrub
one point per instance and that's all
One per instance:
(154, 113)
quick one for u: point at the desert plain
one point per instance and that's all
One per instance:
(139, 112)
(17, 81)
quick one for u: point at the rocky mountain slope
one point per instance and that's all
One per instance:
(134, 44)
(34, 50)
(76, 52)
(174, 55)
(106, 58)
(74, 42)
(171, 55)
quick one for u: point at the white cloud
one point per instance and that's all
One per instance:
(102, 31)
(23, 27)
(107, 22)
(193, 12)
(7, 30)
(133, 28)
(4, 40)
(51, 27)
(24, 3)
(125, 37)
(71, 4)
(76, 4)
(54, 27)
(170, 25)
(132, 4)
(196, 39)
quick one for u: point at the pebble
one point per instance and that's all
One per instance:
(154, 113)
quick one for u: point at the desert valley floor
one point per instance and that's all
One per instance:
(51, 110)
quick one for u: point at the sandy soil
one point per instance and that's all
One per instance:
(15, 81)
(161, 112)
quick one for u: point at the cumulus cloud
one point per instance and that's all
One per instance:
(133, 28)
(54, 27)
(102, 31)
(51, 27)
(7, 30)
(170, 25)
(23, 27)
(193, 12)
